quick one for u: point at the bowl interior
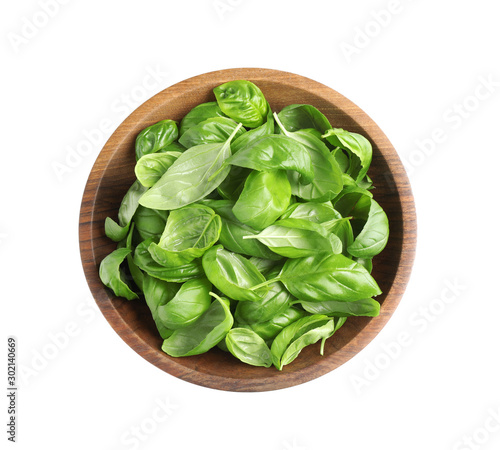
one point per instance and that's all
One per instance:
(113, 173)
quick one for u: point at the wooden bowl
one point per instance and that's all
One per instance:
(113, 173)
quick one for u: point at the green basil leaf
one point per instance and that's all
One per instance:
(365, 183)
(114, 231)
(343, 230)
(312, 211)
(266, 266)
(342, 158)
(198, 114)
(158, 293)
(234, 275)
(150, 168)
(364, 307)
(109, 272)
(292, 339)
(232, 232)
(242, 101)
(173, 147)
(297, 238)
(202, 335)
(358, 146)
(367, 263)
(217, 129)
(232, 186)
(374, 236)
(248, 347)
(175, 274)
(189, 233)
(270, 329)
(327, 182)
(264, 198)
(246, 139)
(150, 223)
(309, 338)
(299, 117)
(155, 137)
(128, 207)
(353, 201)
(188, 304)
(328, 277)
(274, 303)
(309, 131)
(195, 174)
(275, 152)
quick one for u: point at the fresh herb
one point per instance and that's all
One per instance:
(274, 212)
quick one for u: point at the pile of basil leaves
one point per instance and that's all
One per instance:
(248, 230)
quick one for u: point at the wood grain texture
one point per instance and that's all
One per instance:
(113, 173)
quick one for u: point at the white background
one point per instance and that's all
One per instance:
(429, 380)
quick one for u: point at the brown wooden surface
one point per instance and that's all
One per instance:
(113, 173)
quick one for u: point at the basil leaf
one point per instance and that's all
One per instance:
(150, 223)
(109, 272)
(198, 114)
(158, 293)
(297, 238)
(311, 211)
(353, 201)
(299, 117)
(274, 303)
(188, 304)
(292, 339)
(189, 233)
(217, 129)
(246, 139)
(242, 101)
(327, 182)
(150, 168)
(298, 226)
(114, 231)
(266, 266)
(264, 198)
(249, 347)
(202, 335)
(342, 158)
(118, 231)
(364, 307)
(328, 277)
(155, 137)
(196, 173)
(233, 275)
(343, 230)
(357, 145)
(367, 263)
(275, 152)
(309, 338)
(175, 274)
(232, 186)
(270, 329)
(374, 236)
(173, 147)
(232, 232)
(365, 183)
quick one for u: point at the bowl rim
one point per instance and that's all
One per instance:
(402, 188)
